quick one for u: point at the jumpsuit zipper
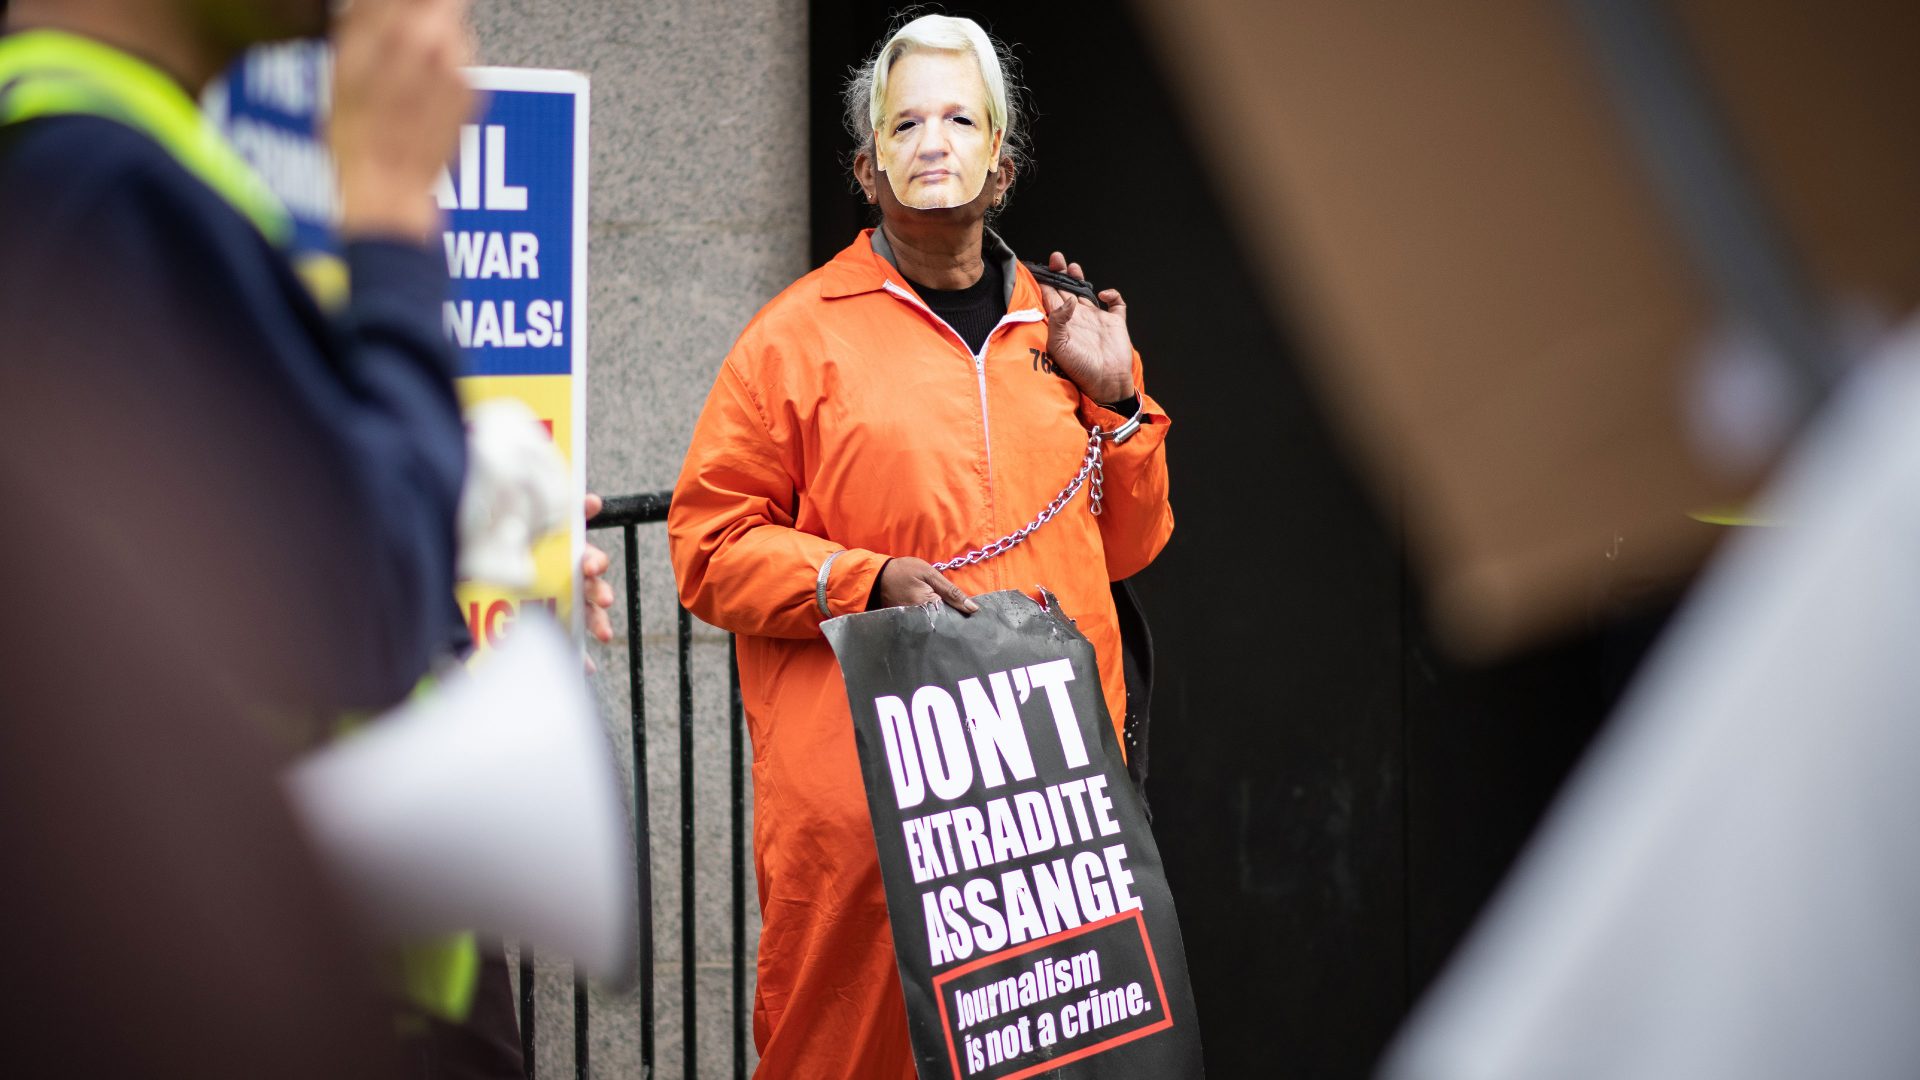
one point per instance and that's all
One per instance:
(1024, 315)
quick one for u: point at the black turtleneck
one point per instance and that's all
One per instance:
(974, 311)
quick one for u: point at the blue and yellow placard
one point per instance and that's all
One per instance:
(515, 199)
(272, 105)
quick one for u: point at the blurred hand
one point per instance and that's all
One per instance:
(1091, 346)
(596, 596)
(399, 99)
(906, 582)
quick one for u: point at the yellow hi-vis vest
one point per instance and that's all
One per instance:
(50, 73)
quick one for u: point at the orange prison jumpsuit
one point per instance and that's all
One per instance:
(848, 416)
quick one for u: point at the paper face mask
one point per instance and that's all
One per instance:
(935, 142)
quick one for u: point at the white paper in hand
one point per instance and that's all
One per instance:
(491, 805)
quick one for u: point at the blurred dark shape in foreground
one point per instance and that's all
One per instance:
(168, 918)
(1531, 347)
(178, 562)
(1729, 888)
(1582, 270)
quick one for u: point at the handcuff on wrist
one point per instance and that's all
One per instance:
(1128, 426)
(820, 583)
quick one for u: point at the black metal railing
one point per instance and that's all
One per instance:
(627, 513)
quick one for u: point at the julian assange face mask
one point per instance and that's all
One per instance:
(935, 143)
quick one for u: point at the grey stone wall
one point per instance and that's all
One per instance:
(699, 215)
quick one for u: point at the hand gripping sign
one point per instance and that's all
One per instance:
(1031, 917)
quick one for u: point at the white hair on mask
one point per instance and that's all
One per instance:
(941, 33)
(867, 86)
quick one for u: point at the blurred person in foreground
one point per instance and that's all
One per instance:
(232, 522)
(891, 408)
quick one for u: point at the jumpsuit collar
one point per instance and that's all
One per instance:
(992, 247)
(867, 264)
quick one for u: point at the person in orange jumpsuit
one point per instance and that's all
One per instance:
(916, 399)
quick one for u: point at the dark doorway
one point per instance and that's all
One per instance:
(1333, 798)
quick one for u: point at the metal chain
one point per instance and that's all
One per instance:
(1089, 468)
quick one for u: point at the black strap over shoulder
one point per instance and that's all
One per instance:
(1063, 282)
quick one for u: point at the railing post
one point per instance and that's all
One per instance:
(526, 1008)
(736, 724)
(581, 1005)
(642, 858)
(689, 984)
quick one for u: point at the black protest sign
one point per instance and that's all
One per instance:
(1031, 916)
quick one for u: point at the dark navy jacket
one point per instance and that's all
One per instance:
(286, 479)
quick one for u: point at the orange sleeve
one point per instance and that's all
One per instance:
(1135, 517)
(739, 562)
